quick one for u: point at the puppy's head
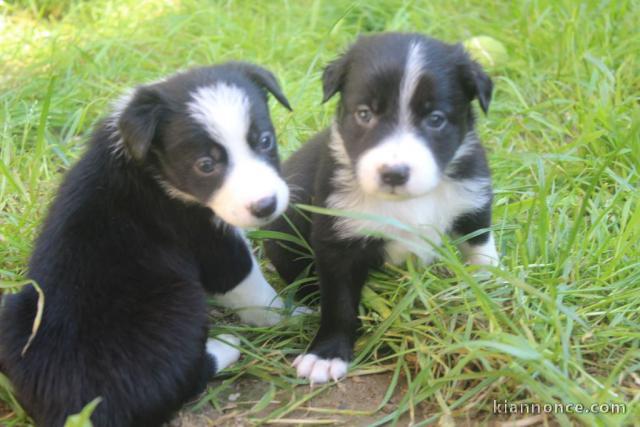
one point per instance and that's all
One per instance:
(207, 137)
(405, 110)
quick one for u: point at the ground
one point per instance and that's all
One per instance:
(352, 402)
(557, 324)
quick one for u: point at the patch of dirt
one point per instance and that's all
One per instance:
(351, 402)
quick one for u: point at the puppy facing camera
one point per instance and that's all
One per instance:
(142, 228)
(402, 145)
(212, 144)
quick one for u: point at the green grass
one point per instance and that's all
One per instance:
(557, 324)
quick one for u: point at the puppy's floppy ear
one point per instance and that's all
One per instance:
(265, 79)
(483, 85)
(476, 82)
(139, 120)
(333, 77)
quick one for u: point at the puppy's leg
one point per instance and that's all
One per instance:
(231, 272)
(481, 253)
(342, 272)
(480, 249)
(253, 298)
(223, 350)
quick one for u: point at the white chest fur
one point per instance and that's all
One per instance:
(423, 219)
(428, 217)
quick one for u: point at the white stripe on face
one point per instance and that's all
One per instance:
(403, 148)
(409, 82)
(224, 112)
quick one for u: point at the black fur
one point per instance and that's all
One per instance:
(369, 73)
(125, 268)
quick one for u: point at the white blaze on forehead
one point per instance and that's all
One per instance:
(404, 147)
(223, 110)
(412, 72)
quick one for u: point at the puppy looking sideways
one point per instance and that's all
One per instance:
(143, 226)
(402, 145)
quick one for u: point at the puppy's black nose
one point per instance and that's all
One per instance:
(263, 207)
(395, 175)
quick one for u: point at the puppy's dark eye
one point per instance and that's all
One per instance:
(435, 120)
(205, 166)
(266, 141)
(364, 116)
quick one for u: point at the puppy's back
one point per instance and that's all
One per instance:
(112, 288)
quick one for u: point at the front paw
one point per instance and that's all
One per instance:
(266, 316)
(260, 316)
(224, 350)
(481, 254)
(327, 358)
(301, 310)
(483, 259)
(319, 370)
(482, 274)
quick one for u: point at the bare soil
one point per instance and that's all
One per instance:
(351, 402)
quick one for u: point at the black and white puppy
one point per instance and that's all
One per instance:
(402, 146)
(143, 226)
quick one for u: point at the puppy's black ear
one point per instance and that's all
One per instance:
(265, 79)
(333, 77)
(483, 85)
(139, 120)
(476, 82)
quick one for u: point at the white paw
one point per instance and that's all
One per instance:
(318, 370)
(265, 316)
(482, 274)
(259, 316)
(482, 259)
(224, 350)
(301, 310)
(482, 254)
